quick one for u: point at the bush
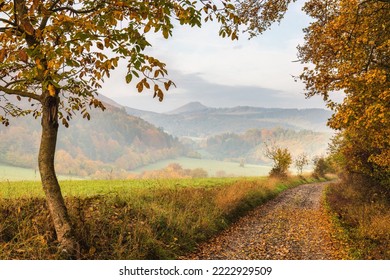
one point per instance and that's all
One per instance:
(363, 210)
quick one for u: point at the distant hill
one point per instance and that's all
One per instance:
(111, 142)
(197, 120)
(191, 107)
(239, 133)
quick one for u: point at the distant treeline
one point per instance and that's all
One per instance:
(249, 146)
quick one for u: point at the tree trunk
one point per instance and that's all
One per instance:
(55, 201)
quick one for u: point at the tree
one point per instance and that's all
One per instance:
(348, 46)
(300, 162)
(281, 158)
(55, 54)
(321, 166)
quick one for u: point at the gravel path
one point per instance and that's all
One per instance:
(293, 226)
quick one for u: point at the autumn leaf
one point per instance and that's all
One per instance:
(52, 90)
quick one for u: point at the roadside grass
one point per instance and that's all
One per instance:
(362, 213)
(132, 219)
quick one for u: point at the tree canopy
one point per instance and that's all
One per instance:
(68, 48)
(348, 46)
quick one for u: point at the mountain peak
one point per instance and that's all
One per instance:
(189, 108)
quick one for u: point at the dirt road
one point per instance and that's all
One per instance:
(293, 226)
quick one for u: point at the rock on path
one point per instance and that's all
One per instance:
(293, 226)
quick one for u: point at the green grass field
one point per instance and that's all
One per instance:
(129, 219)
(211, 166)
(123, 188)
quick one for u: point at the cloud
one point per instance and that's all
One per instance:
(193, 87)
(222, 73)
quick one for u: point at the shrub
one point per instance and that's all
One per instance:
(322, 166)
(363, 210)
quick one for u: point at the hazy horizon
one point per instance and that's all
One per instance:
(121, 102)
(223, 73)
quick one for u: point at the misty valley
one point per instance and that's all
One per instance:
(118, 143)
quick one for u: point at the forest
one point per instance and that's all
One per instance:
(113, 142)
(250, 146)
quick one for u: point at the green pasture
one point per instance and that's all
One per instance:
(123, 188)
(13, 173)
(211, 166)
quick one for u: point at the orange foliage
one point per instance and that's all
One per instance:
(349, 46)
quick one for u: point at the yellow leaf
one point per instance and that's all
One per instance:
(2, 55)
(39, 65)
(147, 28)
(52, 90)
(106, 42)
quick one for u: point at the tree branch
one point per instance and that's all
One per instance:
(54, 4)
(15, 14)
(3, 29)
(47, 16)
(7, 84)
(72, 10)
(20, 93)
(7, 21)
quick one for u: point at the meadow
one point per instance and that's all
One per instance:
(130, 219)
(213, 167)
(13, 173)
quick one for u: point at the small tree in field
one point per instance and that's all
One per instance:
(300, 162)
(281, 158)
(55, 54)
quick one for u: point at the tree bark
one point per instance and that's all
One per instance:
(55, 201)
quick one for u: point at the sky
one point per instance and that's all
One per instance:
(222, 73)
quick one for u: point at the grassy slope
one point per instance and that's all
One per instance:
(137, 219)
